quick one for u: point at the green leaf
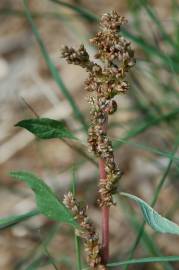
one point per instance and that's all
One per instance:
(148, 242)
(12, 220)
(152, 218)
(141, 231)
(46, 128)
(47, 202)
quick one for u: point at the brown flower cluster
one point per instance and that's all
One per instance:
(105, 81)
(87, 232)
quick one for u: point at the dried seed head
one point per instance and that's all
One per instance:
(77, 57)
(87, 232)
(105, 82)
(112, 21)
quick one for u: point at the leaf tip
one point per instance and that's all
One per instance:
(18, 124)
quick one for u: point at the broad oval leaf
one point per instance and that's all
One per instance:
(47, 202)
(46, 128)
(152, 218)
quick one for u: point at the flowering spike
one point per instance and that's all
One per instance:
(104, 82)
(87, 232)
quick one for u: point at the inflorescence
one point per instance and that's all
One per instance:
(86, 232)
(105, 81)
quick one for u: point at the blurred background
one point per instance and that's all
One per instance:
(144, 130)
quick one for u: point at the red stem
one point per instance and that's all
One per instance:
(105, 219)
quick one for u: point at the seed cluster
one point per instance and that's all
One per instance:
(104, 82)
(87, 232)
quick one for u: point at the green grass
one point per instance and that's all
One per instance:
(54, 71)
(10, 221)
(154, 200)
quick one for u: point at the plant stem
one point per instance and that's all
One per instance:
(78, 250)
(105, 218)
(77, 238)
(104, 209)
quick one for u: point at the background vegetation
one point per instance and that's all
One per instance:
(35, 81)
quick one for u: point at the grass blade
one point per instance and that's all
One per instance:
(148, 124)
(148, 48)
(152, 50)
(54, 71)
(44, 261)
(148, 149)
(36, 257)
(150, 11)
(145, 260)
(49, 15)
(142, 261)
(13, 220)
(83, 12)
